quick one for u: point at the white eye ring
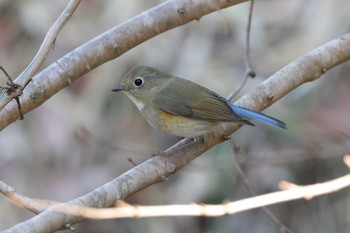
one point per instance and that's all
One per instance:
(138, 82)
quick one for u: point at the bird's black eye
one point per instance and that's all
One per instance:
(138, 82)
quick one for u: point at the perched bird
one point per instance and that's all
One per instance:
(181, 107)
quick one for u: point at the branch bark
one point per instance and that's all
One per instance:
(305, 69)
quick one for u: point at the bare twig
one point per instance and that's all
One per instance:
(249, 72)
(26, 76)
(132, 161)
(21, 200)
(123, 210)
(47, 44)
(235, 152)
(248, 64)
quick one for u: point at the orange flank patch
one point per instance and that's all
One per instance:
(182, 126)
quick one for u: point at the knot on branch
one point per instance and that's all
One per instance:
(13, 90)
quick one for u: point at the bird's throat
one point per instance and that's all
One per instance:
(139, 104)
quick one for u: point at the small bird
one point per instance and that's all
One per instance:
(183, 108)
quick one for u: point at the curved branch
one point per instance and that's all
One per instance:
(289, 192)
(49, 40)
(305, 69)
(106, 47)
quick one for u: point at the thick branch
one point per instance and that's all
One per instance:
(305, 69)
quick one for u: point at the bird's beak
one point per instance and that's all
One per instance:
(120, 88)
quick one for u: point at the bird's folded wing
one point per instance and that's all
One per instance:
(194, 101)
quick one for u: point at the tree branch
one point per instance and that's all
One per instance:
(123, 210)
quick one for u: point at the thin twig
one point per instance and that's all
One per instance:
(132, 161)
(6, 74)
(27, 74)
(21, 200)
(124, 210)
(48, 43)
(235, 152)
(249, 72)
(248, 64)
(21, 117)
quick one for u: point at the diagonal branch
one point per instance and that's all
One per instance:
(305, 69)
(49, 40)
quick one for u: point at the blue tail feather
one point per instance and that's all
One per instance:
(253, 115)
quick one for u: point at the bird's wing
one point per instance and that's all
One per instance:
(184, 98)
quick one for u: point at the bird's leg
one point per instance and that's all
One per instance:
(198, 139)
(160, 153)
(194, 140)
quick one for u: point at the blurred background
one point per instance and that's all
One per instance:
(82, 137)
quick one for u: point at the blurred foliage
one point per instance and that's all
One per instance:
(82, 137)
